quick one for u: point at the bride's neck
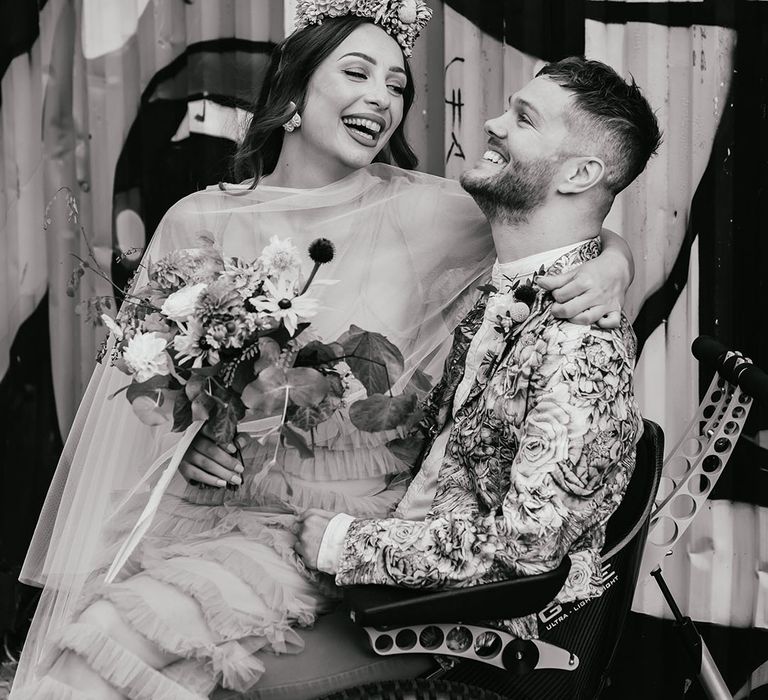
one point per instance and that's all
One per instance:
(297, 169)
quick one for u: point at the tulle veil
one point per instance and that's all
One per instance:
(399, 235)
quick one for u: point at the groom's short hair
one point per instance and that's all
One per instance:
(612, 113)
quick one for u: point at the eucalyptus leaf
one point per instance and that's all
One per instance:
(266, 395)
(149, 411)
(224, 418)
(337, 386)
(148, 388)
(373, 359)
(195, 385)
(420, 384)
(202, 405)
(308, 417)
(182, 413)
(380, 412)
(297, 441)
(206, 371)
(407, 449)
(269, 355)
(315, 353)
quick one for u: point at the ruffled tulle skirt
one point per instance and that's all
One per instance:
(218, 579)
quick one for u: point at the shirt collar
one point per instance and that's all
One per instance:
(527, 266)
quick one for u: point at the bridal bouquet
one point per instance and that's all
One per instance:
(220, 339)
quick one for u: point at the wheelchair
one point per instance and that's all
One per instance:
(386, 643)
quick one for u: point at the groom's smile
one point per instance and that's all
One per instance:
(494, 157)
(496, 153)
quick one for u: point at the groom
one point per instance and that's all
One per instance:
(532, 429)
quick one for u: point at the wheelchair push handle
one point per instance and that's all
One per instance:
(733, 367)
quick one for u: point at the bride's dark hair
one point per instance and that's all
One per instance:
(291, 66)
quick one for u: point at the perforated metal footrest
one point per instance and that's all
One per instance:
(483, 644)
(693, 468)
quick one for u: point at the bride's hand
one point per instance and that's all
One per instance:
(593, 292)
(211, 464)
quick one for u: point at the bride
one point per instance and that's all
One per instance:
(216, 578)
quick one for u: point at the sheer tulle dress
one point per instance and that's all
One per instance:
(216, 578)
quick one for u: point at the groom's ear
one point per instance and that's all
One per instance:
(581, 174)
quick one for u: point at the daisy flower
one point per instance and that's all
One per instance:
(188, 347)
(280, 302)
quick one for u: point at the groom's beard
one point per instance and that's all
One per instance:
(513, 193)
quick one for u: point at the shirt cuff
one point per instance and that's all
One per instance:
(332, 543)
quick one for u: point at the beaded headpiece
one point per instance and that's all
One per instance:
(401, 19)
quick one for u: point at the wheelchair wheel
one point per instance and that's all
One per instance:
(416, 689)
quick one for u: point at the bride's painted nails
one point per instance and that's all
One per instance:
(221, 483)
(236, 480)
(239, 468)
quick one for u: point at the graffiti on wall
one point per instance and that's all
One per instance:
(134, 120)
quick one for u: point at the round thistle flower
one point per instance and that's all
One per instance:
(321, 250)
(525, 293)
(519, 311)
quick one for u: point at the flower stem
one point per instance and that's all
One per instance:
(311, 277)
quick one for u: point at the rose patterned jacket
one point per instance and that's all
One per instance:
(538, 459)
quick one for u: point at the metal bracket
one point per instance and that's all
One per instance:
(490, 646)
(694, 466)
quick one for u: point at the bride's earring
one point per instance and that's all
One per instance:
(295, 121)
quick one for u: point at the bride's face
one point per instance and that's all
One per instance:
(354, 99)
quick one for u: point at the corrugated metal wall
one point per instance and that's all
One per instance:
(113, 74)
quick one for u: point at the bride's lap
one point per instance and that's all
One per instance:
(183, 611)
(176, 607)
(167, 601)
(75, 672)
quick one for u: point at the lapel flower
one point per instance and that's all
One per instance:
(505, 311)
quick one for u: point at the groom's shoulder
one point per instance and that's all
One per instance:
(563, 338)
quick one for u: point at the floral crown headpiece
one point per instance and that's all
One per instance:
(401, 19)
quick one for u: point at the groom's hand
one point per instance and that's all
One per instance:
(312, 525)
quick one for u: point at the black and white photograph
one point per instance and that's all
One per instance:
(384, 349)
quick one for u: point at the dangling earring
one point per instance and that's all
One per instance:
(295, 121)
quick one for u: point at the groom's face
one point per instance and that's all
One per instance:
(525, 153)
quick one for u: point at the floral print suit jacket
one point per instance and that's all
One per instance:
(537, 460)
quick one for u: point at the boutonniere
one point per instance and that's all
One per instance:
(510, 308)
